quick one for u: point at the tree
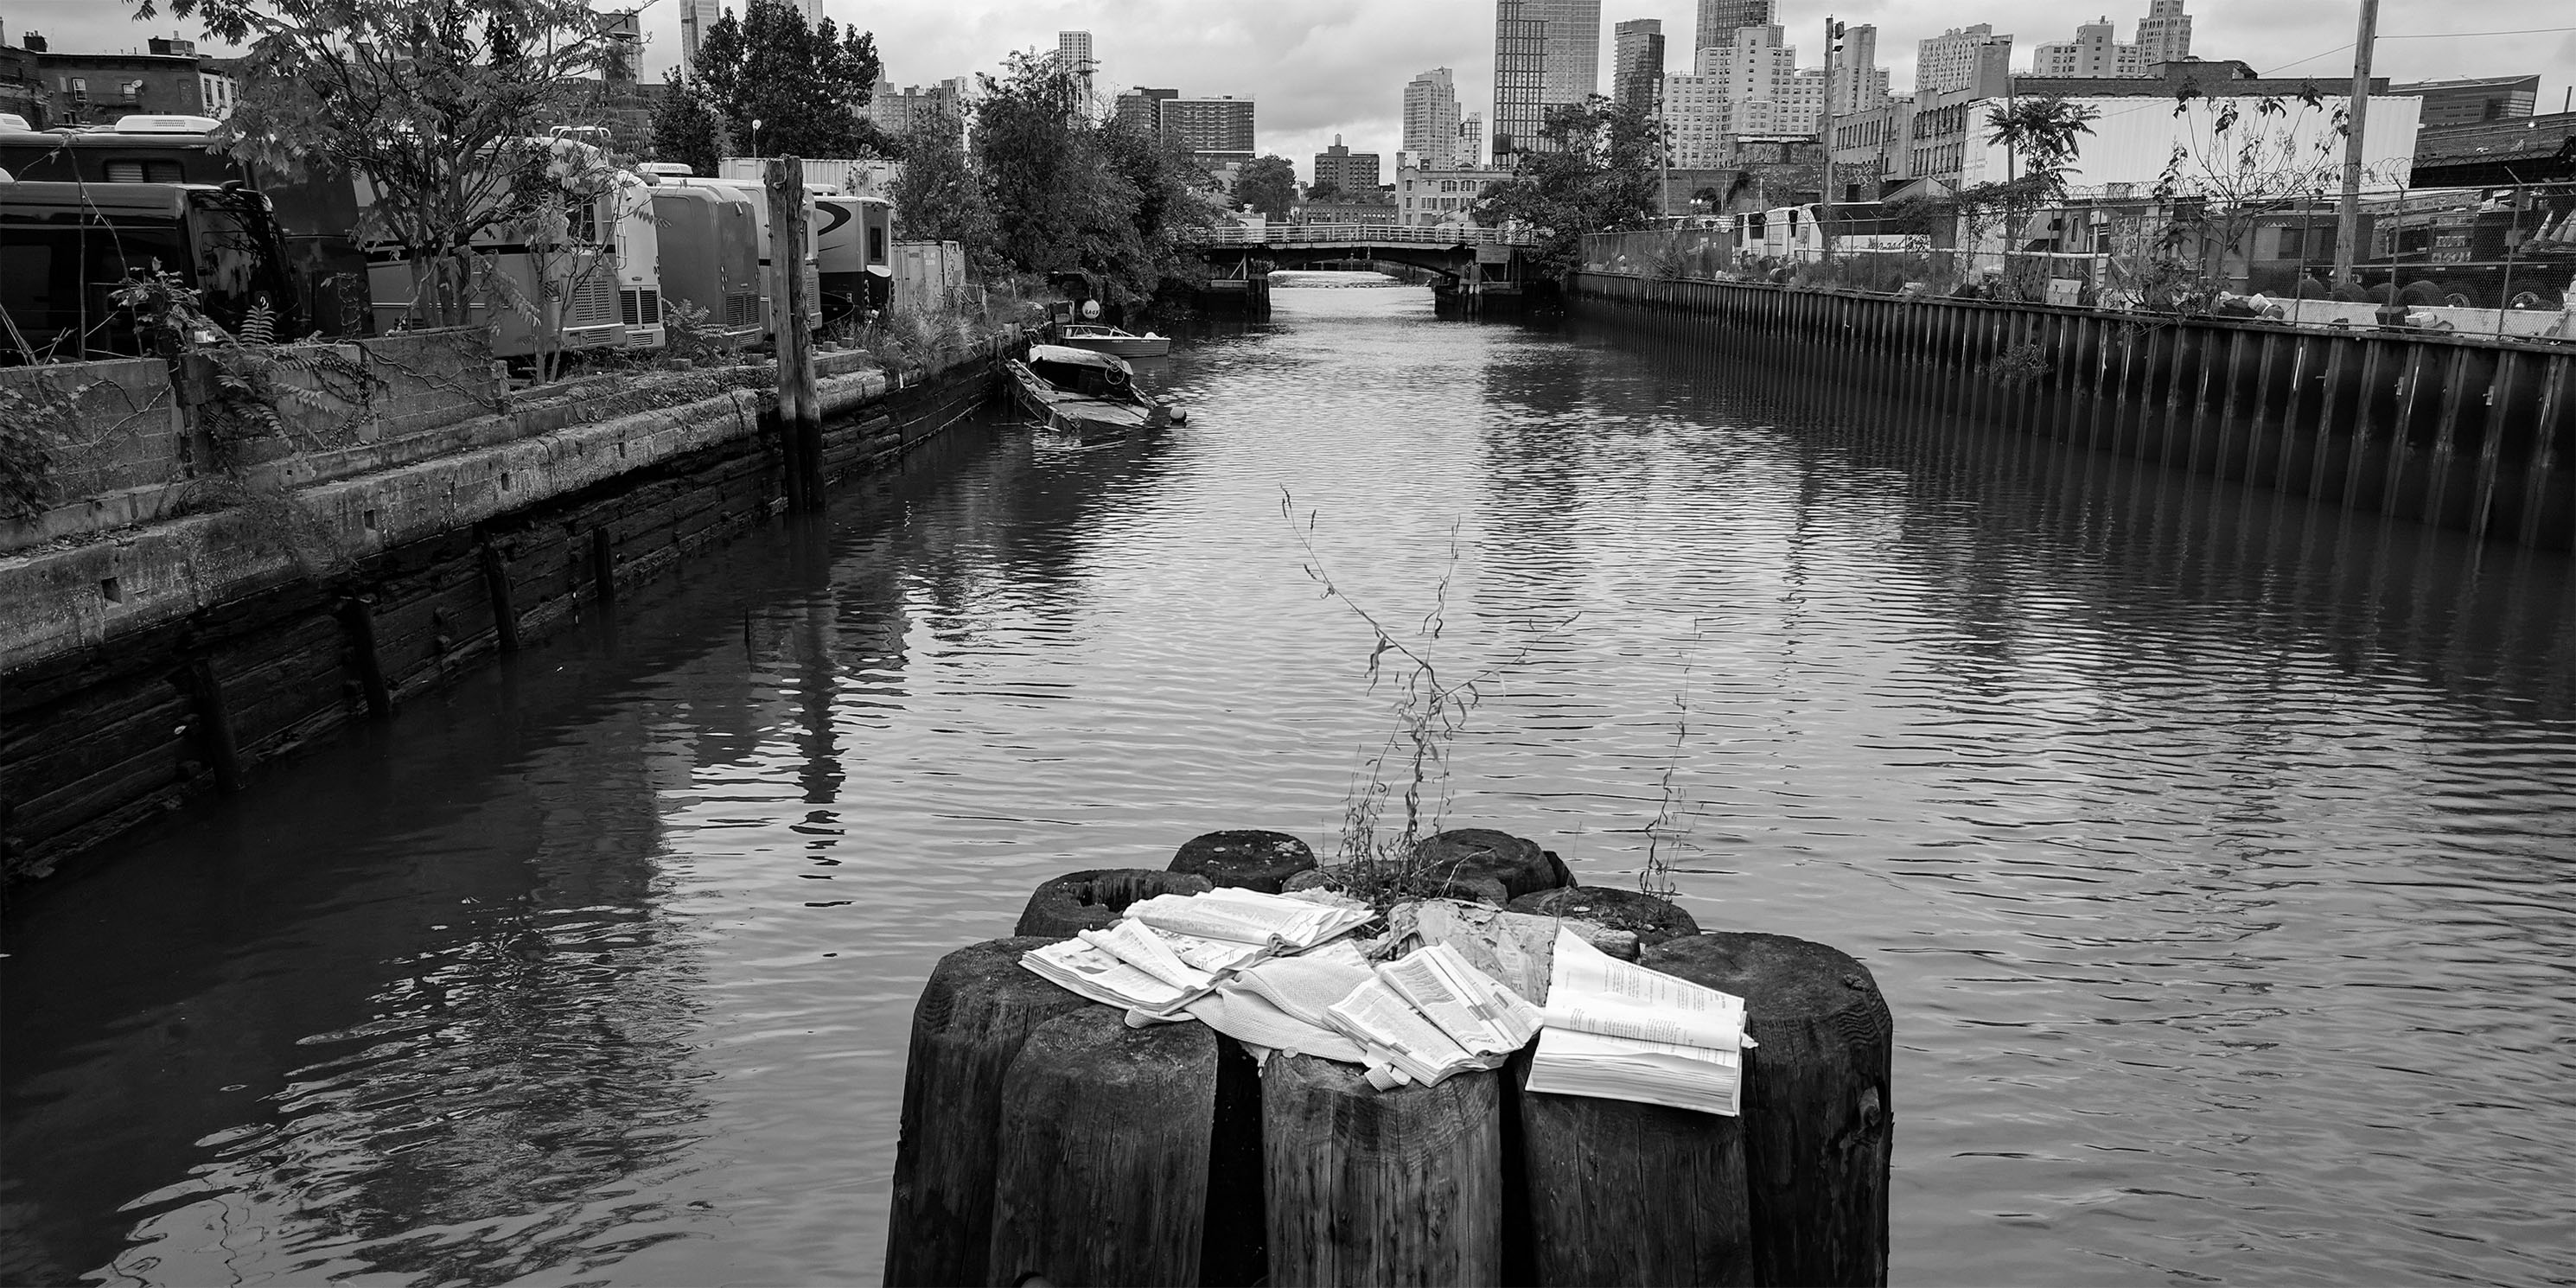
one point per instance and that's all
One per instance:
(936, 196)
(2236, 160)
(1267, 184)
(1602, 175)
(805, 84)
(2039, 139)
(1324, 190)
(431, 104)
(685, 129)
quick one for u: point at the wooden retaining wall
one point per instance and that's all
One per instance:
(100, 739)
(2467, 434)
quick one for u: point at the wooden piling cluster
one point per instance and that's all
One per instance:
(1043, 1138)
(2473, 434)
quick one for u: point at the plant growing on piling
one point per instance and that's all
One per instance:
(1383, 860)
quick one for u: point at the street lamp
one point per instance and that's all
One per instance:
(755, 138)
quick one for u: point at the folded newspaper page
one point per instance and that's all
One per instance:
(1082, 968)
(1477, 1013)
(1517, 949)
(1619, 1031)
(1247, 917)
(1379, 1019)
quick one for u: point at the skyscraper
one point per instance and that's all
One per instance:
(2164, 35)
(1637, 64)
(1471, 141)
(1547, 53)
(1141, 108)
(1718, 20)
(1073, 49)
(1859, 82)
(695, 17)
(1431, 118)
(1213, 129)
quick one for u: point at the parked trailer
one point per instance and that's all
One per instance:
(1795, 233)
(758, 197)
(65, 247)
(711, 260)
(854, 257)
(315, 214)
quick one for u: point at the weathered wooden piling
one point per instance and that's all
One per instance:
(1101, 1172)
(1381, 1187)
(1094, 900)
(1249, 859)
(973, 1018)
(1619, 1192)
(800, 405)
(1650, 919)
(1817, 1121)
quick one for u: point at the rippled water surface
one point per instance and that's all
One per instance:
(2213, 852)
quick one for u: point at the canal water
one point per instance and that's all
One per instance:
(2213, 852)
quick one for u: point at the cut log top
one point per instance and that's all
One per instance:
(1249, 859)
(1784, 981)
(1517, 862)
(1079, 901)
(975, 984)
(1651, 919)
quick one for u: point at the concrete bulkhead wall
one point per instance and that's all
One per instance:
(140, 670)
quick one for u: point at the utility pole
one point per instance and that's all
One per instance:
(1825, 207)
(800, 408)
(2348, 213)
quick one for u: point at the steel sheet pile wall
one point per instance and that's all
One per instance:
(2464, 434)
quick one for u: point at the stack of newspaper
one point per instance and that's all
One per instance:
(1622, 1032)
(1276, 973)
(1171, 949)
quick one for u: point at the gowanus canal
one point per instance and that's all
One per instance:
(2213, 850)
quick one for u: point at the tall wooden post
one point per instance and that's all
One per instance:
(800, 408)
(2348, 212)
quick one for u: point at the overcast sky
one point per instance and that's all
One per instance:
(1323, 67)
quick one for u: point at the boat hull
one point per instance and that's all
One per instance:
(1131, 346)
(1084, 419)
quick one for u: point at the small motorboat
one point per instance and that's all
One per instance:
(1102, 338)
(1089, 396)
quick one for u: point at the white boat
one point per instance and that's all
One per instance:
(1090, 397)
(1100, 338)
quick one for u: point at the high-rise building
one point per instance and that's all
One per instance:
(1216, 129)
(2164, 35)
(1073, 49)
(1859, 83)
(1352, 174)
(1142, 108)
(1637, 64)
(1471, 141)
(1718, 20)
(1959, 58)
(695, 17)
(1431, 118)
(1547, 54)
(900, 112)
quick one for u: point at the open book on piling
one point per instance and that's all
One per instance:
(1620, 1031)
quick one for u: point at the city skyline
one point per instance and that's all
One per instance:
(1340, 66)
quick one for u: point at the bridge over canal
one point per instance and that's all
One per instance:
(1477, 266)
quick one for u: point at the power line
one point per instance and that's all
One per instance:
(2427, 35)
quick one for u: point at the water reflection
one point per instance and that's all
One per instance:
(2210, 847)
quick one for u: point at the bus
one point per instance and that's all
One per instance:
(65, 248)
(675, 175)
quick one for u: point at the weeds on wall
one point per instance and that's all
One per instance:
(31, 416)
(257, 381)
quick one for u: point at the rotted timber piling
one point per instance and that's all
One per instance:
(2467, 433)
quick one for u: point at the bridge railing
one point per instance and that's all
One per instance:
(1358, 235)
